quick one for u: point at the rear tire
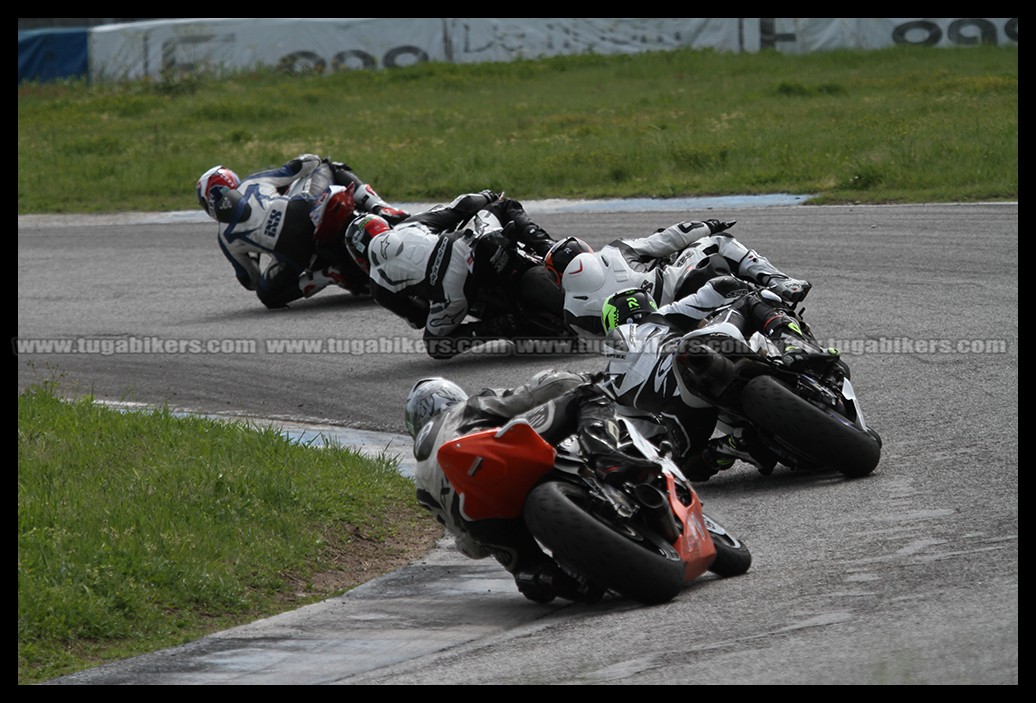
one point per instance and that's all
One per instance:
(824, 438)
(542, 305)
(628, 559)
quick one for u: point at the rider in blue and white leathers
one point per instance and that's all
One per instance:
(269, 213)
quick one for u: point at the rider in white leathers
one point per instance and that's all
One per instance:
(426, 268)
(557, 404)
(703, 251)
(643, 342)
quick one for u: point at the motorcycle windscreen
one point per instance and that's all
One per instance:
(493, 470)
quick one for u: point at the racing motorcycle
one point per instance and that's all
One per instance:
(511, 286)
(644, 538)
(809, 418)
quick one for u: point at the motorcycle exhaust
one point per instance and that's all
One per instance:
(656, 509)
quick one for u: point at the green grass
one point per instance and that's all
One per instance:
(139, 531)
(909, 124)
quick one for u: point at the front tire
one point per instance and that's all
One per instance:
(629, 559)
(732, 555)
(824, 438)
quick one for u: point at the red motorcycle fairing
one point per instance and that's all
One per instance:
(494, 470)
(694, 545)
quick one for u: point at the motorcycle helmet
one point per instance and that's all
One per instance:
(585, 276)
(212, 186)
(428, 398)
(561, 255)
(358, 236)
(630, 305)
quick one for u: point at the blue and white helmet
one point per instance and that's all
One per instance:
(428, 398)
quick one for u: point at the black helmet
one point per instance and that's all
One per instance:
(561, 255)
(626, 306)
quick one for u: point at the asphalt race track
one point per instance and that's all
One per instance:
(909, 576)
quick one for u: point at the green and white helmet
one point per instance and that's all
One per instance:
(629, 305)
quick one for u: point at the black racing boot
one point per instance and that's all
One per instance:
(546, 581)
(702, 466)
(745, 448)
(792, 290)
(799, 349)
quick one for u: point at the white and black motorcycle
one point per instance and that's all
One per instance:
(805, 417)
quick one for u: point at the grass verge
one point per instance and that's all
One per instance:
(139, 531)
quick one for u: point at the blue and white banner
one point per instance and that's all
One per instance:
(161, 48)
(50, 54)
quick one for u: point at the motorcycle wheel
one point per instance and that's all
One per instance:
(629, 559)
(542, 305)
(732, 555)
(823, 437)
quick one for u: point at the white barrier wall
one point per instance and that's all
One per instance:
(792, 35)
(155, 49)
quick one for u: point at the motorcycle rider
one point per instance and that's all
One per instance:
(277, 213)
(557, 404)
(706, 250)
(426, 270)
(643, 343)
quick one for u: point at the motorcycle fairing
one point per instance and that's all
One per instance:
(493, 470)
(694, 545)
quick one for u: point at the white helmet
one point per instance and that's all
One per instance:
(557, 260)
(585, 274)
(428, 398)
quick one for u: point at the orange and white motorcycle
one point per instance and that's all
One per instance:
(645, 538)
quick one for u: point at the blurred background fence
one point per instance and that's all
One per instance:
(101, 49)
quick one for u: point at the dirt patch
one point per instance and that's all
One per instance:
(357, 559)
